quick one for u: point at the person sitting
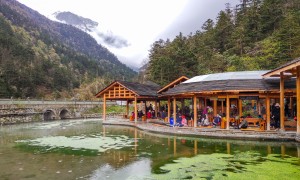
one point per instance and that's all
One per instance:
(149, 115)
(205, 121)
(178, 120)
(183, 120)
(243, 124)
(132, 117)
(217, 120)
(163, 114)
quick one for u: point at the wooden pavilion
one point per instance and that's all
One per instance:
(128, 91)
(286, 72)
(228, 89)
(222, 90)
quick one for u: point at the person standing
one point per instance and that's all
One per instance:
(276, 115)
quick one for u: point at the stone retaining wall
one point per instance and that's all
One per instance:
(20, 118)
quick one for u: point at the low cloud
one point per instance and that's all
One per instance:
(113, 40)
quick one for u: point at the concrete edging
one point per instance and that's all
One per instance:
(210, 133)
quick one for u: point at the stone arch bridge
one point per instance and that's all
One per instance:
(28, 110)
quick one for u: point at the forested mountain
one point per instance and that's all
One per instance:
(255, 35)
(41, 58)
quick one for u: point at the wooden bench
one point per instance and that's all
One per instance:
(253, 121)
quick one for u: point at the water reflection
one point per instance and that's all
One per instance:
(140, 169)
(84, 149)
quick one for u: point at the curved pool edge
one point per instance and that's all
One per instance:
(280, 136)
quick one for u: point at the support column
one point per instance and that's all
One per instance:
(281, 101)
(240, 107)
(174, 110)
(145, 107)
(156, 109)
(215, 107)
(127, 108)
(159, 109)
(298, 100)
(104, 107)
(135, 109)
(268, 109)
(195, 110)
(227, 111)
(169, 109)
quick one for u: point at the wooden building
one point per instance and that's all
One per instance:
(129, 92)
(222, 90)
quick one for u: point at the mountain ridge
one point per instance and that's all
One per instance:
(70, 54)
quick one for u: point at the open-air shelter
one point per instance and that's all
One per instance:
(228, 87)
(222, 90)
(286, 72)
(129, 92)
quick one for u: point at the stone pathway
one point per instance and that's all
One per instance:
(155, 126)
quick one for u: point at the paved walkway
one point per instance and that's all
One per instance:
(155, 126)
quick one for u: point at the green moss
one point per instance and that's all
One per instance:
(77, 145)
(240, 166)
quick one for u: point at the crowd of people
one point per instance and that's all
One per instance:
(205, 117)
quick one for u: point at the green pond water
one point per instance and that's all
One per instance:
(86, 149)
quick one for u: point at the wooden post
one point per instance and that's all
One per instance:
(298, 100)
(195, 110)
(159, 108)
(268, 109)
(215, 107)
(169, 109)
(240, 107)
(227, 111)
(104, 107)
(281, 101)
(135, 109)
(145, 108)
(127, 108)
(174, 110)
(156, 109)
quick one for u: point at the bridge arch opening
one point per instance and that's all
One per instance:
(49, 115)
(64, 114)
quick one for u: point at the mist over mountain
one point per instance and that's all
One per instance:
(101, 35)
(44, 58)
(75, 20)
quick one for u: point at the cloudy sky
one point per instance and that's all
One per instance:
(136, 24)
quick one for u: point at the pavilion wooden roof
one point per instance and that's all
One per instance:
(243, 85)
(173, 84)
(289, 69)
(120, 90)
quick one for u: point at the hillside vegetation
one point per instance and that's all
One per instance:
(41, 58)
(255, 35)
